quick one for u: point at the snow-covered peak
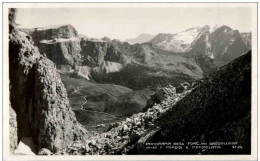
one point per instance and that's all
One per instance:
(180, 42)
(213, 27)
(187, 36)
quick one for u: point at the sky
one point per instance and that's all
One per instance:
(125, 23)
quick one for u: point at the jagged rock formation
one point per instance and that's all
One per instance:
(159, 96)
(39, 98)
(217, 110)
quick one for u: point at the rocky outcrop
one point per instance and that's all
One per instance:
(39, 98)
(217, 110)
(94, 53)
(160, 95)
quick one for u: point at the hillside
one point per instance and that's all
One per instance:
(96, 103)
(217, 110)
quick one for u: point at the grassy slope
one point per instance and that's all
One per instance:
(110, 98)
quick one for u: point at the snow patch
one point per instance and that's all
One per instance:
(57, 40)
(187, 37)
(110, 67)
(25, 147)
(182, 41)
(83, 71)
(213, 27)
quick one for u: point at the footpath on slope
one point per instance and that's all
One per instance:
(120, 137)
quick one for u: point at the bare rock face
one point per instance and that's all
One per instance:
(62, 53)
(39, 97)
(12, 130)
(94, 53)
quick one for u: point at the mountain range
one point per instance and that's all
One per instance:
(138, 68)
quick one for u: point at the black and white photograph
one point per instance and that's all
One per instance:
(130, 79)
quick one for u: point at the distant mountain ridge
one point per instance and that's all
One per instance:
(221, 43)
(102, 60)
(142, 38)
(166, 59)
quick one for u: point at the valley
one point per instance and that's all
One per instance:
(110, 80)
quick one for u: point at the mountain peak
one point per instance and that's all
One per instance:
(142, 38)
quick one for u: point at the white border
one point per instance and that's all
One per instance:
(253, 156)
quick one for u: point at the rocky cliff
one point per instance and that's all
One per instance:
(51, 33)
(39, 98)
(94, 53)
(65, 47)
(65, 53)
